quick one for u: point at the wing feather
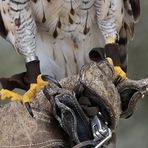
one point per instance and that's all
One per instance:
(3, 31)
(131, 14)
(135, 4)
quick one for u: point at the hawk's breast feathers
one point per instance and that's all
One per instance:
(66, 29)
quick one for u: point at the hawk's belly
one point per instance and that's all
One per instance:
(67, 32)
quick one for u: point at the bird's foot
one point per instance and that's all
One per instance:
(26, 99)
(120, 75)
(7, 94)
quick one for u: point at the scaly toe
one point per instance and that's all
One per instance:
(27, 98)
(7, 94)
(40, 83)
(110, 61)
(34, 88)
(120, 72)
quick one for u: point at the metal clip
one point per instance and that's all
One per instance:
(101, 132)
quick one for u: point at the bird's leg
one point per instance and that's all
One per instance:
(26, 99)
(106, 19)
(111, 53)
(25, 42)
(113, 57)
(120, 75)
(32, 78)
(34, 88)
(7, 94)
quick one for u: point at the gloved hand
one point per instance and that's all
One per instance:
(111, 53)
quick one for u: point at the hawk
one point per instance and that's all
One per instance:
(55, 37)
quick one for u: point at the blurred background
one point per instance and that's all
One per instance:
(133, 132)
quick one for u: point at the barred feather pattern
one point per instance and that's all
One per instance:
(106, 19)
(25, 29)
(62, 32)
(21, 25)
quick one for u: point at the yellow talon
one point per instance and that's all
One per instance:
(110, 61)
(40, 83)
(117, 69)
(27, 97)
(120, 72)
(6, 94)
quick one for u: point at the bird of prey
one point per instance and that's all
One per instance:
(55, 37)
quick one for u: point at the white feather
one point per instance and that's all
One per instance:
(63, 53)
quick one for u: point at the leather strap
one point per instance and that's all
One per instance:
(85, 143)
(70, 115)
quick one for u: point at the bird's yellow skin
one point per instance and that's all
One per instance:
(117, 69)
(27, 97)
(110, 40)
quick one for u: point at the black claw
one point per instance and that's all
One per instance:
(118, 80)
(29, 109)
(49, 78)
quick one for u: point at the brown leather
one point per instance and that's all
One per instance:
(22, 80)
(131, 92)
(112, 51)
(97, 79)
(15, 81)
(97, 54)
(90, 109)
(33, 70)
